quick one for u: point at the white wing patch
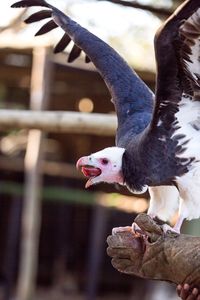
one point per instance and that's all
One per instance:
(188, 118)
(194, 65)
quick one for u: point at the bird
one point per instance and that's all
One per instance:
(158, 135)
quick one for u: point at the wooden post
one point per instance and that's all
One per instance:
(31, 214)
(96, 248)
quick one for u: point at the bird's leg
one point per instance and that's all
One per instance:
(177, 226)
(179, 222)
(166, 228)
(151, 215)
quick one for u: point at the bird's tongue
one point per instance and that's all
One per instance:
(90, 171)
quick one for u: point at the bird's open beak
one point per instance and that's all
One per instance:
(88, 169)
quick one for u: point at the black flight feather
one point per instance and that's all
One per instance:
(75, 52)
(29, 3)
(62, 44)
(38, 16)
(47, 27)
(87, 59)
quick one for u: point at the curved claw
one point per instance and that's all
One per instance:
(167, 228)
(116, 230)
(136, 229)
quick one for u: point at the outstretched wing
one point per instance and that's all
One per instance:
(133, 100)
(177, 47)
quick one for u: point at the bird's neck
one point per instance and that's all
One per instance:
(133, 172)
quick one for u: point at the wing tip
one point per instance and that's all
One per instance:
(87, 59)
(16, 5)
(56, 51)
(29, 3)
(38, 33)
(38, 16)
(70, 60)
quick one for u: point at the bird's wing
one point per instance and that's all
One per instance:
(133, 100)
(177, 48)
(178, 67)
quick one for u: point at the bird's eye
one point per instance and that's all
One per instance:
(104, 161)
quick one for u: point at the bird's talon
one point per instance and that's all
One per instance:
(136, 229)
(166, 228)
(116, 230)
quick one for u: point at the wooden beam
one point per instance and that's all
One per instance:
(58, 121)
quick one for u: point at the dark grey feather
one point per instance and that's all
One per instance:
(64, 42)
(47, 27)
(87, 59)
(74, 54)
(29, 3)
(38, 16)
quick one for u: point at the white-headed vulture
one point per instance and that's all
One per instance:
(158, 137)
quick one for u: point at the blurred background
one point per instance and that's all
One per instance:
(52, 231)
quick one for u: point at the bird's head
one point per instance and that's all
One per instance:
(102, 166)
